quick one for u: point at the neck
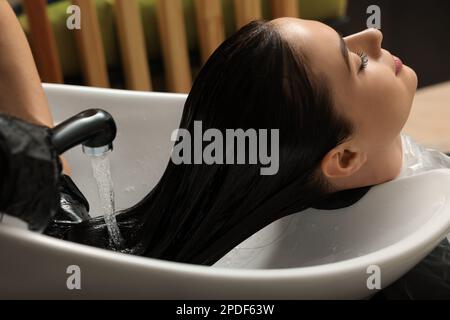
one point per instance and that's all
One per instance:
(383, 165)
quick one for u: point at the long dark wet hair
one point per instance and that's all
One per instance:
(197, 213)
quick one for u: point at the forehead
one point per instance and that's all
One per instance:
(302, 31)
(318, 42)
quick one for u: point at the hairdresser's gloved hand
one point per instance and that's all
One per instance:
(73, 208)
(29, 172)
(32, 187)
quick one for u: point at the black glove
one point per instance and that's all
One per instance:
(73, 209)
(29, 172)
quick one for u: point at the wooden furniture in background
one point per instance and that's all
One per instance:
(132, 45)
(429, 122)
(90, 46)
(174, 45)
(284, 8)
(210, 26)
(246, 11)
(43, 41)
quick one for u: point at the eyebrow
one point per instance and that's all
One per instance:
(344, 52)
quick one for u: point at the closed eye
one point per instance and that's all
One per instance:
(364, 60)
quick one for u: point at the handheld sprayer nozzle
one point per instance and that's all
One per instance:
(95, 129)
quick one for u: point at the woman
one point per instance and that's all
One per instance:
(339, 105)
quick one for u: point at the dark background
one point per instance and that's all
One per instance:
(416, 31)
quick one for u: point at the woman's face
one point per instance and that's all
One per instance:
(369, 85)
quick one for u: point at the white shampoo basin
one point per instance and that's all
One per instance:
(311, 255)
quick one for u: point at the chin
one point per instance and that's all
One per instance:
(411, 79)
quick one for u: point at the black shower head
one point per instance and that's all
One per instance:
(95, 129)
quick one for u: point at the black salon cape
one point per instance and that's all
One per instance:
(29, 172)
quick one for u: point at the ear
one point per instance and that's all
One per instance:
(343, 161)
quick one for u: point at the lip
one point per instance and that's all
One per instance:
(398, 64)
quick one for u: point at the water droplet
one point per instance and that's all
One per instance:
(130, 189)
(334, 249)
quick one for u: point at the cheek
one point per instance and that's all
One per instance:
(384, 105)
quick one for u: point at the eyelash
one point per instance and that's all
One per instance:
(364, 60)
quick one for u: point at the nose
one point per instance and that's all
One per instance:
(368, 41)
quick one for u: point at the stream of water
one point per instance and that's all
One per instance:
(102, 174)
